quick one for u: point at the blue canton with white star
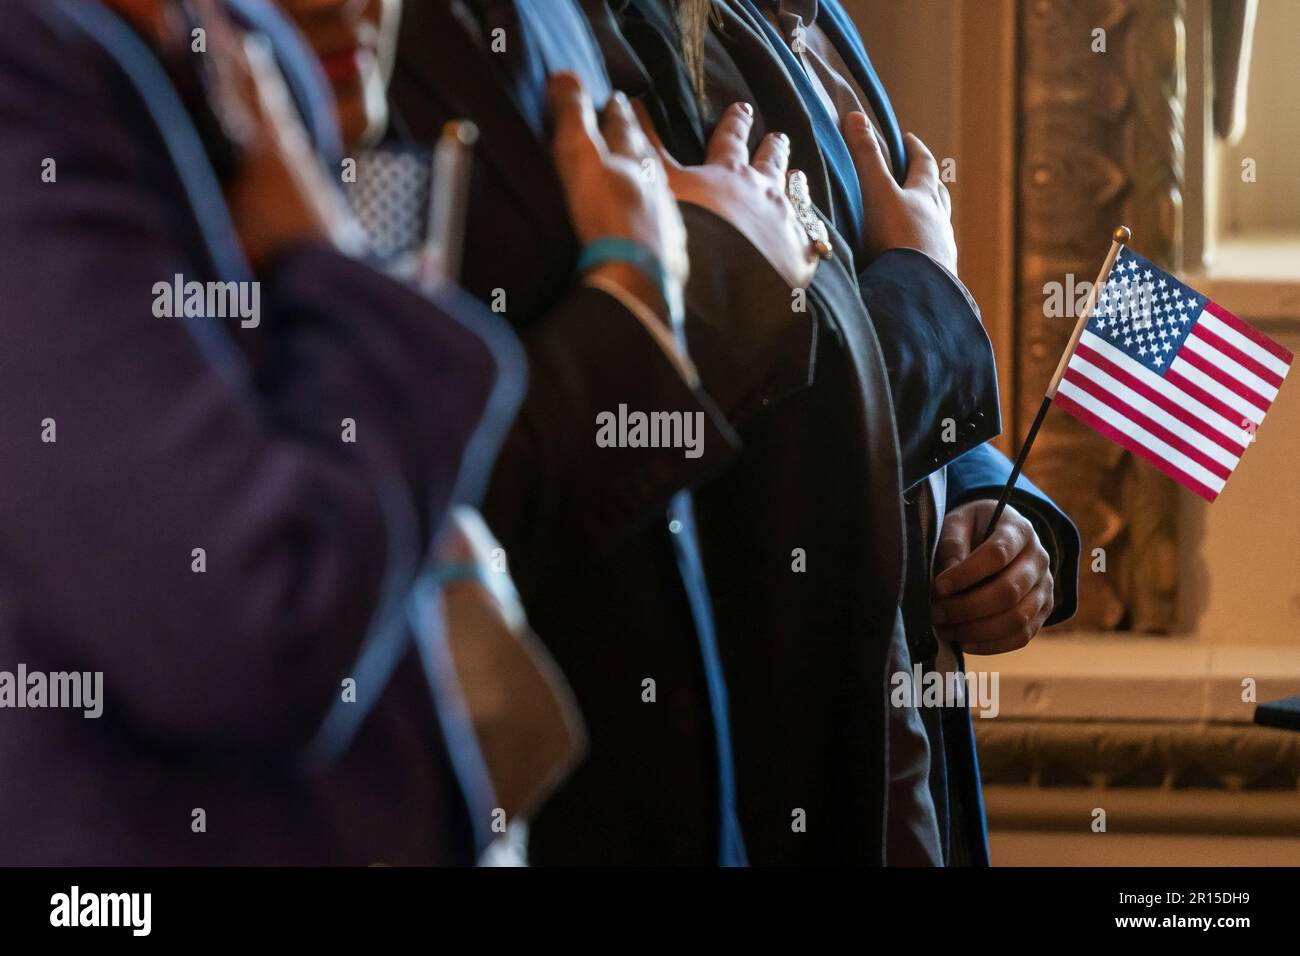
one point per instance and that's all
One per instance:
(1144, 311)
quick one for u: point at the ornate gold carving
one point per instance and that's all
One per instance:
(1120, 755)
(1101, 144)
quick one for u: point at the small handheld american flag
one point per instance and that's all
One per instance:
(1164, 371)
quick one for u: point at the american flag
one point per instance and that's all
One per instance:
(1171, 375)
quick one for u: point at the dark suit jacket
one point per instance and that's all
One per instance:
(176, 434)
(818, 482)
(585, 527)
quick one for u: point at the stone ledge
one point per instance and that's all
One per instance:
(1143, 811)
(1130, 678)
(1058, 848)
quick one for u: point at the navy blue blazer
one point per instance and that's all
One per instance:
(222, 688)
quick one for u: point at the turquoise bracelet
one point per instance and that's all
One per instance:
(635, 254)
(444, 574)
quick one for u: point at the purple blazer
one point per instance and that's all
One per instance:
(226, 519)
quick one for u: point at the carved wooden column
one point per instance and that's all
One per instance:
(1101, 144)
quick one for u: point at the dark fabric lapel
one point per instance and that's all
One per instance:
(839, 29)
(646, 31)
(648, 26)
(777, 99)
(834, 287)
(435, 47)
(839, 163)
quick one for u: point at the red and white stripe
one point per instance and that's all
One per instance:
(1195, 421)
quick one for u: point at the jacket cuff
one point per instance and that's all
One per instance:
(940, 361)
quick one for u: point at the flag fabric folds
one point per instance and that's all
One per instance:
(1171, 375)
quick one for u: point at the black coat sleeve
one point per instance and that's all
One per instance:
(751, 336)
(554, 490)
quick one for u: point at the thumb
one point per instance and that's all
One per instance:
(864, 145)
(922, 167)
(954, 544)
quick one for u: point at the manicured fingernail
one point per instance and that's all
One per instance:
(783, 138)
(746, 109)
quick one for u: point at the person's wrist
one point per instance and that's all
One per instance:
(636, 283)
(634, 267)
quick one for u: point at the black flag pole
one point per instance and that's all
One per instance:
(1117, 241)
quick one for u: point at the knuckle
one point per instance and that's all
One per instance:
(1024, 615)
